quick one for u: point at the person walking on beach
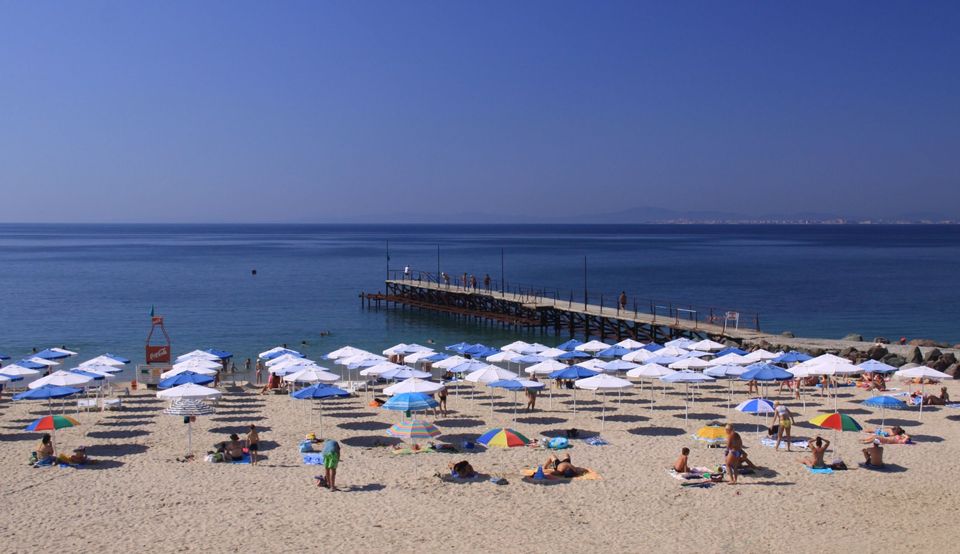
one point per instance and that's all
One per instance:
(531, 399)
(259, 372)
(784, 416)
(442, 402)
(623, 300)
(331, 459)
(734, 453)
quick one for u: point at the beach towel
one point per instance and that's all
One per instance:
(405, 451)
(694, 473)
(596, 440)
(952, 406)
(881, 469)
(797, 444)
(590, 475)
(820, 470)
(313, 459)
(244, 460)
(452, 478)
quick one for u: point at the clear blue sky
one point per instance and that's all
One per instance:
(297, 111)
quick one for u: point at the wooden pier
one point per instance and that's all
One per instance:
(544, 310)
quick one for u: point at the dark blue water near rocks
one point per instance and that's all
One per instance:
(91, 287)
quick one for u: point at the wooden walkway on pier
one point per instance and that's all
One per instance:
(535, 311)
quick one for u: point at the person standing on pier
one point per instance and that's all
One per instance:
(486, 281)
(623, 300)
(464, 282)
(473, 282)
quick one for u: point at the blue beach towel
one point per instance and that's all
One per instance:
(244, 460)
(595, 440)
(821, 470)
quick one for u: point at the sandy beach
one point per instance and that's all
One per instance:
(139, 496)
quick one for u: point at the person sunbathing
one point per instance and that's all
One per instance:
(941, 400)
(901, 438)
(462, 470)
(819, 448)
(562, 467)
(79, 456)
(879, 383)
(873, 455)
(45, 449)
(681, 465)
(233, 449)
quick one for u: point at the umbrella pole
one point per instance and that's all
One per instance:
(321, 418)
(189, 436)
(922, 388)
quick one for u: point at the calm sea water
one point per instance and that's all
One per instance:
(91, 287)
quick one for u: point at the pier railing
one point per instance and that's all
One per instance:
(608, 304)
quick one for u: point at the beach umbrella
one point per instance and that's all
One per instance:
(514, 385)
(5, 379)
(729, 359)
(190, 391)
(188, 408)
(193, 364)
(630, 344)
(100, 368)
(572, 373)
(344, 352)
(653, 347)
(412, 385)
(673, 351)
(689, 363)
(478, 350)
(438, 357)
(197, 370)
(410, 402)
(529, 359)
(603, 382)
(571, 344)
(593, 364)
(551, 353)
(278, 351)
(61, 379)
(405, 373)
(765, 372)
(728, 372)
(46, 392)
(39, 363)
(875, 366)
(760, 355)
(613, 366)
(756, 406)
(198, 355)
(319, 392)
(639, 356)
(93, 375)
(592, 347)
(883, 402)
(711, 434)
(29, 365)
(469, 366)
(413, 430)
(791, 357)
(923, 373)
(533, 348)
(613, 352)
(682, 342)
(286, 359)
(503, 356)
(222, 354)
(17, 372)
(415, 357)
(458, 348)
(649, 371)
(837, 422)
(54, 354)
(380, 368)
(450, 362)
(731, 350)
(686, 377)
(314, 374)
(515, 346)
(546, 367)
(488, 374)
(707, 345)
(52, 423)
(183, 378)
(574, 355)
(503, 438)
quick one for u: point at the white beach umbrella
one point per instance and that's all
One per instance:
(707, 345)
(198, 354)
(346, 352)
(639, 356)
(381, 368)
(729, 359)
(689, 363)
(191, 391)
(490, 374)
(102, 361)
(545, 367)
(417, 356)
(551, 353)
(275, 350)
(190, 363)
(503, 356)
(649, 371)
(760, 355)
(64, 351)
(923, 373)
(450, 363)
(593, 364)
(314, 374)
(672, 351)
(16, 370)
(630, 343)
(686, 377)
(603, 382)
(516, 346)
(682, 342)
(412, 385)
(593, 346)
(534, 348)
(43, 361)
(61, 379)
(285, 359)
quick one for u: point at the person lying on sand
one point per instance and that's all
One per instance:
(873, 455)
(562, 467)
(901, 438)
(941, 400)
(886, 431)
(682, 465)
(462, 470)
(819, 448)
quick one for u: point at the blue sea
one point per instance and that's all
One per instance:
(92, 287)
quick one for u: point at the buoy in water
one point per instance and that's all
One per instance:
(253, 272)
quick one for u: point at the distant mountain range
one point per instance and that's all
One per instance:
(642, 214)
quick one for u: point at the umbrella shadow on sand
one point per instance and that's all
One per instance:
(370, 487)
(237, 419)
(370, 441)
(627, 418)
(925, 438)
(364, 425)
(128, 423)
(657, 431)
(11, 437)
(459, 422)
(542, 420)
(100, 464)
(118, 434)
(238, 429)
(894, 421)
(116, 449)
(581, 433)
(699, 416)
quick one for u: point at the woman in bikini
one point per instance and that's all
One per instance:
(734, 453)
(562, 467)
(819, 448)
(783, 416)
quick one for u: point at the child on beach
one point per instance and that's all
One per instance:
(331, 459)
(253, 443)
(682, 465)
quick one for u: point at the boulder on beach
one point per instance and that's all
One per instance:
(922, 342)
(932, 355)
(816, 352)
(849, 353)
(950, 358)
(894, 360)
(877, 353)
(952, 370)
(940, 364)
(787, 334)
(914, 356)
(854, 337)
(881, 340)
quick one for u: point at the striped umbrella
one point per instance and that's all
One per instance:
(756, 406)
(413, 430)
(837, 422)
(504, 438)
(52, 423)
(190, 408)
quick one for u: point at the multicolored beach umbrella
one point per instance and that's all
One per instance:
(503, 438)
(413, 430)
(837, 422)
(52, 423)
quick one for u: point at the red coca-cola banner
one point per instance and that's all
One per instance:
(158, 354)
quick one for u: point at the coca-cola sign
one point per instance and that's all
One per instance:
(158, 354)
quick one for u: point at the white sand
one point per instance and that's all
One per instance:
(140, 497)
